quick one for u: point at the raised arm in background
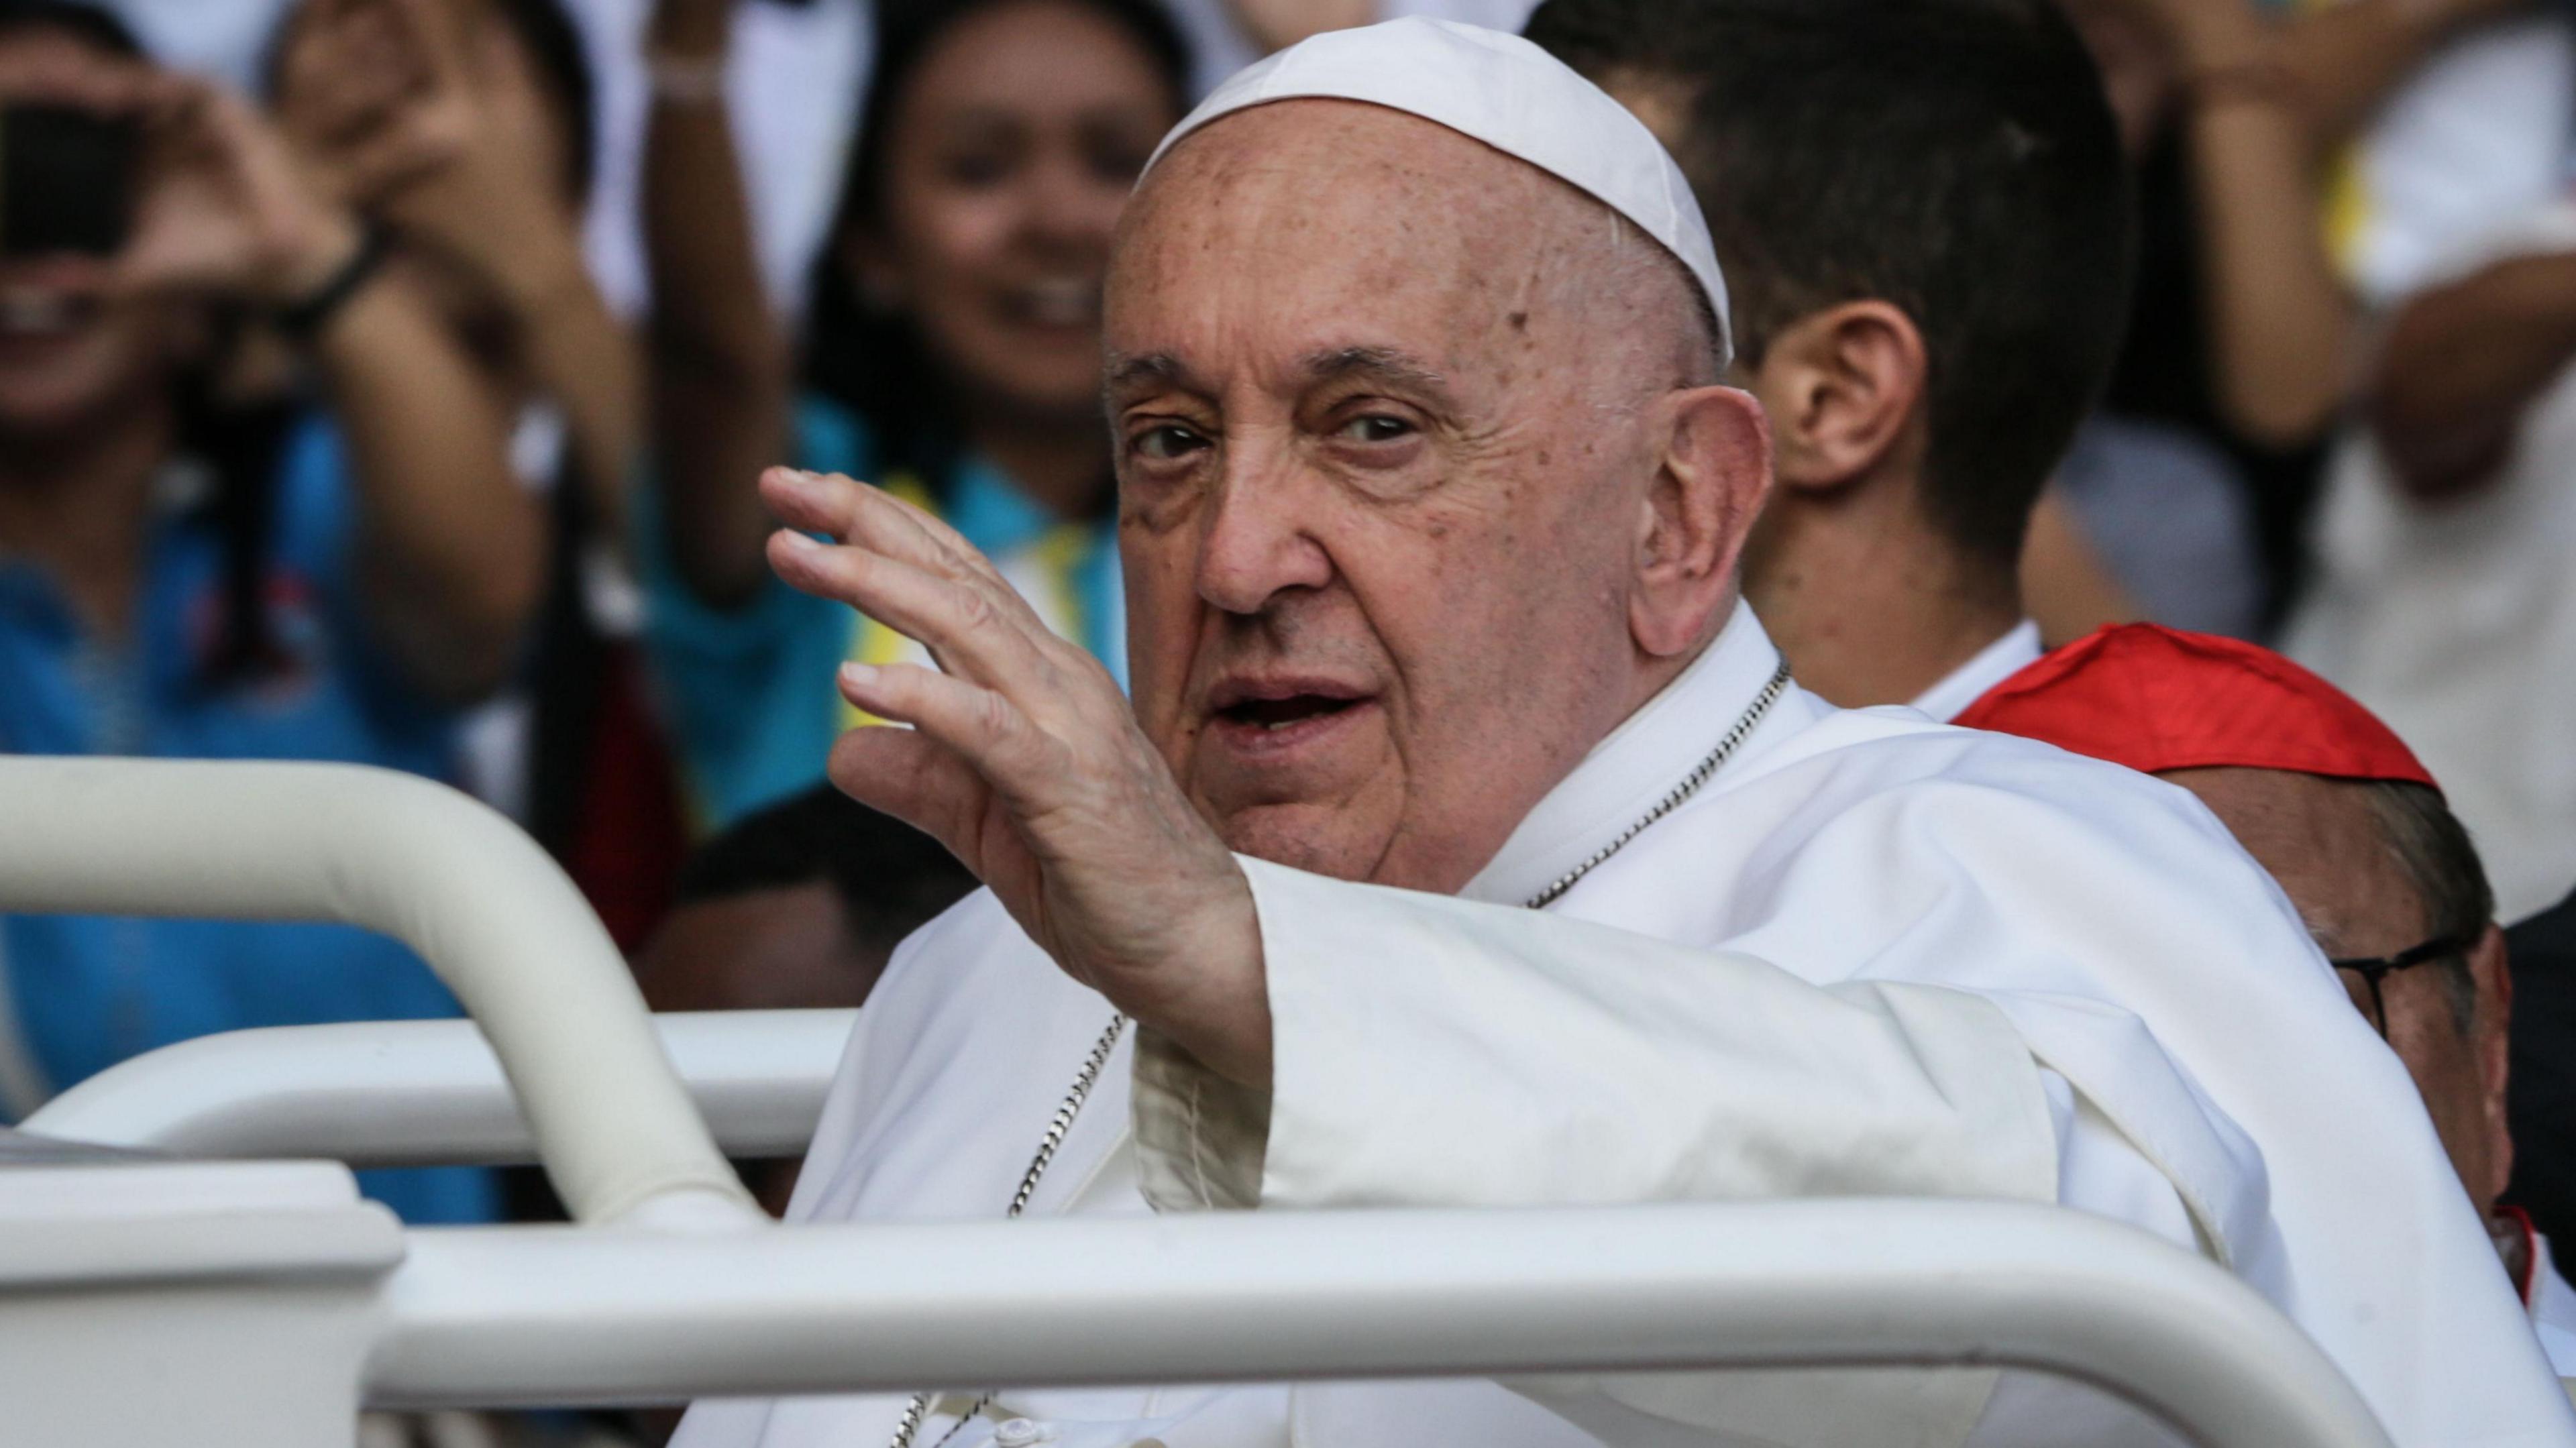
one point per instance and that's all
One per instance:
(722, 363)
(449, 551)
(2344, 59)
(1278, 24)
(436, 122)
(2460, 365)
(2278, 319)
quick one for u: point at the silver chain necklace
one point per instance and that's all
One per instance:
(909, 1426)
(1057, 1129)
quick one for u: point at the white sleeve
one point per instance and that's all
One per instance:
(1598, 1066)
(1603, 1067)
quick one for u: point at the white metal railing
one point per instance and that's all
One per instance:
(625, 1313)
(530, 1315)
(427, 1093)
(418, 861)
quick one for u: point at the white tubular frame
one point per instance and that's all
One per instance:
(634, 1312)
(419, 862)
(529, 1316)
(431, 1093)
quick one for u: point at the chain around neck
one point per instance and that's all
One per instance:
(1689, 786)
(1061, 1125)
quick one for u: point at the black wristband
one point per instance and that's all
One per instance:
(304, 318)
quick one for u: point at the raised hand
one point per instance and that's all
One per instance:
(419, 115)
(224, 209)
(1025, 761)
(365, 95)
(1278, 24)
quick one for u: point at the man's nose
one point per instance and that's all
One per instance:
(1257, 542)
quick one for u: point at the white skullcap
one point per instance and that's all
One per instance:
(1505, 92)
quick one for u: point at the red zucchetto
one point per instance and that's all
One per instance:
(2157, 699)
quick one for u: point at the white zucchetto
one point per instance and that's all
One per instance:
(1505, 92)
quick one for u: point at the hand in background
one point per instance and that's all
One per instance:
(1278, 24)
(429, 115)
(691, 28)
(356, 95)
(418, 116)
(222, 207)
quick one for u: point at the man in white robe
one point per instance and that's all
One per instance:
(1431, 508)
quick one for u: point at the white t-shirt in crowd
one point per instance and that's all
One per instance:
(2477, 136)
(2456, 621)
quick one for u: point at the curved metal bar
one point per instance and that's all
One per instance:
(532, 1315)
(414, 860)
(427, 1093)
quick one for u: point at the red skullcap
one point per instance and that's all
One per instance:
(2155, 699)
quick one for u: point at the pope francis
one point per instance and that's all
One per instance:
(1466, 843)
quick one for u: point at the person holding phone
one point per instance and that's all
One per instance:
(180, 573)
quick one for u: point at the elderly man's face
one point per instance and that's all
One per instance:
(1389, 410)
(2323, 842)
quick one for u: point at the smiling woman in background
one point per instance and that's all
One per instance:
(954, 355)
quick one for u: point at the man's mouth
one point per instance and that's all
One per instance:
(1276, 714)
(1264, 716)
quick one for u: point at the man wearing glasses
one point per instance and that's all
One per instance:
(2336, 807)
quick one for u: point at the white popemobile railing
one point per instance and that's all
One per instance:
(156, 1328)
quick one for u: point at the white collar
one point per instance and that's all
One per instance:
(2017, 650)
(1639, 762)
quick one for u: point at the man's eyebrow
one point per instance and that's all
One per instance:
(1130, 374)
(1125, 374)
(1387, 363)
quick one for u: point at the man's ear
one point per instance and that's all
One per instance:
(2490, 1038)
(1712, 473)
(1842, 387)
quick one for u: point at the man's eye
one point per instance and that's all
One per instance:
(1167, 442)
(1376, 429)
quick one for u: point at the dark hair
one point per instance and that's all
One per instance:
(890, 878)
(873, 361)
(1954, 157)
(2442, 863)
(89, 24)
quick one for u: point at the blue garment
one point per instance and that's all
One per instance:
(89, 992)
(750, 690)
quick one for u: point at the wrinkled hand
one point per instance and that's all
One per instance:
(1025, 761)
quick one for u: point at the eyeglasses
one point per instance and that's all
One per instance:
(2376, 968)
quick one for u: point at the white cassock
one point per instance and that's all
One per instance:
(1874, 955)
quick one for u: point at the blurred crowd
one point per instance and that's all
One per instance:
(386, 381)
